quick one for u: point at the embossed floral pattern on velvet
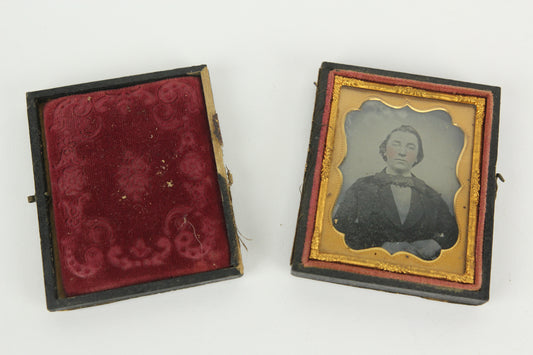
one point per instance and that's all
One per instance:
(134, 186)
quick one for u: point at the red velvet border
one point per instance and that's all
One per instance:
(483, 192)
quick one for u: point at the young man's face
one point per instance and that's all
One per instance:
(401, 152)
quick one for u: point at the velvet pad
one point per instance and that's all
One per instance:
(134, 186)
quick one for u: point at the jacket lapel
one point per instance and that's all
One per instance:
(416, 210)
(388, 205)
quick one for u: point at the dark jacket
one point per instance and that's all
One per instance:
(368, 215)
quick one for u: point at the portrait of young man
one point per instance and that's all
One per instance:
(392, 208)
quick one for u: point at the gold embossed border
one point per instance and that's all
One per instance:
(388, 263)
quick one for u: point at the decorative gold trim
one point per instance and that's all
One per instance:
(385, 261)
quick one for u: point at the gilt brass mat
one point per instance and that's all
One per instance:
(467, 112)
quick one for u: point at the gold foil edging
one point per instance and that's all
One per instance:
(479, 104)
(216, 140)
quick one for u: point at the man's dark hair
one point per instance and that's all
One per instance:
(408, 129)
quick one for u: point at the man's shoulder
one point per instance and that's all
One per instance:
(364, 183)
(425, 189)
(370, 179)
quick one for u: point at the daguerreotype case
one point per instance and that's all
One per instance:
(132, 193)
(400, 184)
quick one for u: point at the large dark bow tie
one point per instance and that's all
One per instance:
(402, 181)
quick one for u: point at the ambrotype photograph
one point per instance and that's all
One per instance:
(399, 187)
(398, 194)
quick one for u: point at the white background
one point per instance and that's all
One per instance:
(263, 59)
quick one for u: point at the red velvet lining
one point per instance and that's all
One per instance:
(134, 186)
(484, 178)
